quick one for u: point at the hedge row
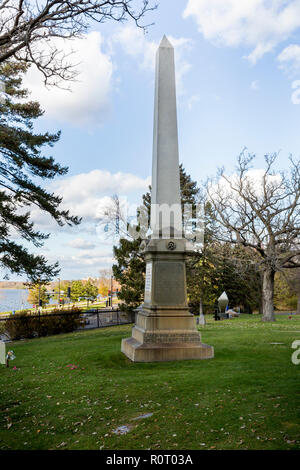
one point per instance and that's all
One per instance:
(25, 325)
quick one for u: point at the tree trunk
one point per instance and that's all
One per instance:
(268, 295)
(298, 303)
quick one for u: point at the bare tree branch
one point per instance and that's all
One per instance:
(27, 29)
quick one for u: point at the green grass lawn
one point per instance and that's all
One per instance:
(247, 397)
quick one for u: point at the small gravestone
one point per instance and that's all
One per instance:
(201, 319)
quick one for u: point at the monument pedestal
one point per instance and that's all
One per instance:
(165, 344)
(164, 329)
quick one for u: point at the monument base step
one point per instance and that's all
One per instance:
(159, 352)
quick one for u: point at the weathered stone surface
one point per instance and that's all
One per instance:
(164, 329)
(165, 166)
(138, 352)
(158, 337)
(169, 283)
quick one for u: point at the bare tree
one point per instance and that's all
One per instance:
(117, 222)
(262, 211)
(28, 29)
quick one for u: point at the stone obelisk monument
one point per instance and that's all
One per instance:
(164, 329)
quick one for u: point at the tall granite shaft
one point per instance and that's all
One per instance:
(165, 159)
(165, 329)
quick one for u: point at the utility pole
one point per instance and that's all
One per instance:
(59, 291)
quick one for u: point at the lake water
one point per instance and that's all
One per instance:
(15, 299)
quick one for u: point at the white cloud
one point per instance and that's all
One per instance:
(81, 244)
(254, 85)
(83, 264)
(87, 194)
(253, 177)
(289, 59)
(296, 94)
(88, 101)
(258, 24)
(134, 43)
(84, 188)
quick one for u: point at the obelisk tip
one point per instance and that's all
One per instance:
(165, 42)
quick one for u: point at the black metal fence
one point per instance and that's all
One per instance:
(91, 319)
(101, 318)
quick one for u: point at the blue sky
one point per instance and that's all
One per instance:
(238, 76)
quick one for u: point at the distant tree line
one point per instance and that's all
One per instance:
(78, 290)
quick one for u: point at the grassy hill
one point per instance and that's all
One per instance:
(248, 397)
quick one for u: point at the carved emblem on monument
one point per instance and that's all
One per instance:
(171, 245)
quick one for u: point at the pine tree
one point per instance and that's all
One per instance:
(190, 192)
(130, 273)
(77, 290)
(22, 167)
(90, 290)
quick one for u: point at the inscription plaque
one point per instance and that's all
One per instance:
(169, 283)
(148, 281)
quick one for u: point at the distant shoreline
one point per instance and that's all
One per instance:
(13, 288)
